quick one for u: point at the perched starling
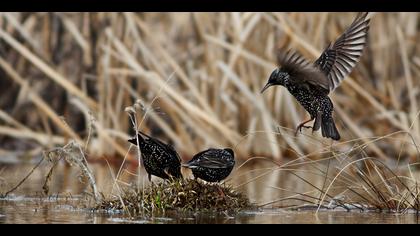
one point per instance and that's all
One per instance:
(310, 83)
(158, 158)
(212, 165)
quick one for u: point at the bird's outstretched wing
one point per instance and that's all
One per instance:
(301, 70)
(338, 59)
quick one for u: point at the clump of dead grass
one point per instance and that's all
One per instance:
(178, 194)
(73, 154)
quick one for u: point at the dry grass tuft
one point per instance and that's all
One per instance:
(179, 194)
(349, 180)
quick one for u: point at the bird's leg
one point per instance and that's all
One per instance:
(302, 125)
(166, 171)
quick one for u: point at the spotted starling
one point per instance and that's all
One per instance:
(212, 165)
(310, 83)
(158, 158)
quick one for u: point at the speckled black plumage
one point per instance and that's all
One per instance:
(212, 165)
(159, 159)
(310, 83)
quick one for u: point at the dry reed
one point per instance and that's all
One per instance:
(87, 67)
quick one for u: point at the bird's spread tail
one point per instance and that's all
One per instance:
(328, 128)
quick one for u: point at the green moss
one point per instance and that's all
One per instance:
(184, 195)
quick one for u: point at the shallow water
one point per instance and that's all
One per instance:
(67, 199)
(35, 211)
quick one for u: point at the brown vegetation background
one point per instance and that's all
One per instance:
(198, 76)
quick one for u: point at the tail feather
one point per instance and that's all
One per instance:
(317, 123)
(328, 128)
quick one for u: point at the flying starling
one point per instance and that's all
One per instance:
(212, 165)
(310, 83)
(158, 158)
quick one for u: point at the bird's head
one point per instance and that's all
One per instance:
(277, 77)
(230, 151)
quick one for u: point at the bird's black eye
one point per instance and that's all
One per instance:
(274, 75)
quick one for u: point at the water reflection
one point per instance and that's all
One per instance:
(33, 212)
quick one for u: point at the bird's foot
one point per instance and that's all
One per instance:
(302, 125)
(299, 128)
(166, 171)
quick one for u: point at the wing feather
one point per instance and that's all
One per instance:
(169, 148)
(301, 70)
(338, 59)
(210, 158)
